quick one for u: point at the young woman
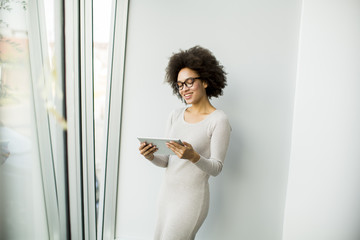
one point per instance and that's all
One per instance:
(195, 76)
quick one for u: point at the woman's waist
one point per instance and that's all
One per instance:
(186, 177)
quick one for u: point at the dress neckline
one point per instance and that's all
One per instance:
(195, 123)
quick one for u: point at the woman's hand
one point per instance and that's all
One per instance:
(147, 150)
(185, 151)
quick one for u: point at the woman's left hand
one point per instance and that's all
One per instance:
(185, 151)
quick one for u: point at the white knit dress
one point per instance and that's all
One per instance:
(184, 196)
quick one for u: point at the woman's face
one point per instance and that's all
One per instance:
(195, 93)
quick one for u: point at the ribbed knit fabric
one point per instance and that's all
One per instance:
(184, 196)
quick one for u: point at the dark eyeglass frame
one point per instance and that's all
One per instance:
(187, 83)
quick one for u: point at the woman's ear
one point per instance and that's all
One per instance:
(205, 84)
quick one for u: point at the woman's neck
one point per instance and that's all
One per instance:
(202, 108)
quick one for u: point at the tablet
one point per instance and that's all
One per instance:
(160, 143)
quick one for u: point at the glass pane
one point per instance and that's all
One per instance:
(101, 32)
(22, 207)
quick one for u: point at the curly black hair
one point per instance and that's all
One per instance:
(202, 61)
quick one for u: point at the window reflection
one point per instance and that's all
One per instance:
(21, 191)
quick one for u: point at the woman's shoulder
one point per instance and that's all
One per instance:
(177, 113)
(218, 120)
(220, 115)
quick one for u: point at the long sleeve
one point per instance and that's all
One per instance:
(220, 137)
(160, 160)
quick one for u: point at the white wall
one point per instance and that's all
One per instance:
(323, 201)
(256, 41)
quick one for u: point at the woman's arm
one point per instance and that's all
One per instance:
(218, 147)
(160, 160)
(148, 151)
(219, 143)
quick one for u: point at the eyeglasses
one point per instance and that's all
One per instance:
(188, 82)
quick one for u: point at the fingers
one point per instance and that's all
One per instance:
(185, 151)
(147, 150)
(178, 146)
(178, 149)
(142, 145)
(145, 146)
(174, 148)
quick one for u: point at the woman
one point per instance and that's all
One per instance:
(195, 76)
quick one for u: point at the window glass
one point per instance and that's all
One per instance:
(101, 33)
(22, 207)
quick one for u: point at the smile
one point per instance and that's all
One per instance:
(188, 95)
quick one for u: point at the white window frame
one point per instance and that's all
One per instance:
(50, 134)
(80, 118)
(117, 52)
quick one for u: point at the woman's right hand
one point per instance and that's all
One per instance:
(147, 150)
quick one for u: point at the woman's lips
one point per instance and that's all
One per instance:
(187, 96)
